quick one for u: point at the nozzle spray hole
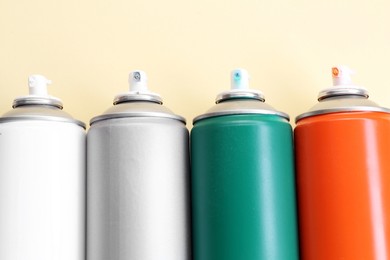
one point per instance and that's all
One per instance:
(137, 76)
(237, 76)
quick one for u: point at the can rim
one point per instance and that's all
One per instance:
(337, 92)
(42, 118)
(242, 112)
(131, 97)
(239, 94)
(135, 114)
(342, 109)
(31, 100)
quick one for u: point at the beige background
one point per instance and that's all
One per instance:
(189, 47)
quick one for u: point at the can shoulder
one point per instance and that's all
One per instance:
(137, 109)
(241, 107)
(342, 104)
(40, 112)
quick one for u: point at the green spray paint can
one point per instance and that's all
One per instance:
(243, 183)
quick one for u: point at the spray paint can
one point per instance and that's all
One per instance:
(243, 187)
(342, 157)
(42, 179)
(138, 173)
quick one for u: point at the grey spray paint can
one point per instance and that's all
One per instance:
(42, 179)
(138, 173)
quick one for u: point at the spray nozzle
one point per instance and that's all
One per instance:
(138, 81)
(38, 85)
(342, 85)
(342, 75)
(239, 79)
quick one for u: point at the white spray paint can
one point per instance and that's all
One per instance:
(42, 179)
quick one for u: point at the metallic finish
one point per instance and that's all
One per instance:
(139, 108)
(37, 100)
(42, 186)
(137, 97)
(240, 106)
(40, 113)
(342, 104)
(138, 184)
(239, 94)
(342, 91)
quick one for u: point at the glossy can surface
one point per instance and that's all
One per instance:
(42, 185)
(343, 180)
(243, 183)
(243, 188)
(138, 180)
(342, 147)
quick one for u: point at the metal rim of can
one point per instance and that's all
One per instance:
(242, 112)
(342, 109)
(136, 114)
(238, 93)
(336, 92)
(137, 97)
(42, 118)
(45, 101)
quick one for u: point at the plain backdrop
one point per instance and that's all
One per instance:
(189, 47)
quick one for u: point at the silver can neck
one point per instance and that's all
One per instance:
(138, 90)
(342, 85)
(240, 100)
(38, 105)
(239, 94)
(37, 101)
(343, 96)
(38, 95)
(137, 102)
(136, 97)
(239, 88)
(352, 91)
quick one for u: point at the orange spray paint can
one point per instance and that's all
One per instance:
(343, 175)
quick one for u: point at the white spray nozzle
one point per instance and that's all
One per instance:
(239, 79)
(38, 85)
(342, 75)
(138, 81)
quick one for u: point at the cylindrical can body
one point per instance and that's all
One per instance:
(42, 189)
(243, 188)
(343, 177)
(138, 201)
